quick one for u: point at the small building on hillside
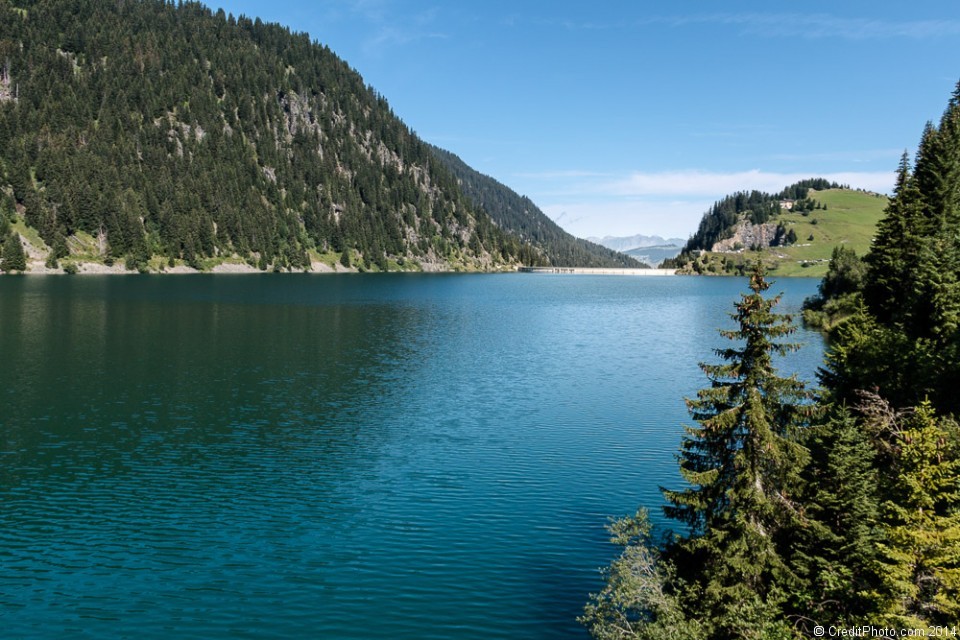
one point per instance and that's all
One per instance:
(786, 204)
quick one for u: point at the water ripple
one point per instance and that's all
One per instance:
(402, 457)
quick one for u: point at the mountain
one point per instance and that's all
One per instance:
(650, 250)
(164, 134)
(626, 243)
(795, 231)
(655, 255)
(519, 216)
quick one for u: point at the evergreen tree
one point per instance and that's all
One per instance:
(845, 274)
(207, 136)
(14, 258)
(839, 294)
(835, 552)
(896, 241)
(864, 522)
(729, 575)
(909, 337)
(920, 555)
(742, 463)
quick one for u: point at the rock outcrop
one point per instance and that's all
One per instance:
(746, 235)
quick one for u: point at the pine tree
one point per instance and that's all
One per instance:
(836, 550)
(742, 463)
(912, 289)
(14, 259)
(933, 293)
(920, 556)
(256, 141)
(895, 249)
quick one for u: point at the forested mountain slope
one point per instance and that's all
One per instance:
(519, 216)
(151, 131)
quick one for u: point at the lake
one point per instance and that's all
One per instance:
(355, 456)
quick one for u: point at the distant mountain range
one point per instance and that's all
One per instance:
(639, 241)
(650, 250)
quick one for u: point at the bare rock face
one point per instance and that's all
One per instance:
(746, 235)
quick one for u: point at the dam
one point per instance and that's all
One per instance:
(601, 271)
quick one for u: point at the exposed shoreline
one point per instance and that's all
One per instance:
(119, 269)
(39, 268)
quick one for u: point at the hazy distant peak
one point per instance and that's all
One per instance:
(638, 241)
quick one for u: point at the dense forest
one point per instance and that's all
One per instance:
(519, 215)
(808, 513)
(164, 129)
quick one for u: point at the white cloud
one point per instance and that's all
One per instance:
(390, 27)
(676, 218)
(706, 183)
(779, 25)
(562, 174)
(667, 203)
(821, 25)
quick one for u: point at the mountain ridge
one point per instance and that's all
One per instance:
(520, 216)
(175, 135)
(637, 241)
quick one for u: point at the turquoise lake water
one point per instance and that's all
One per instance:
(309, 456)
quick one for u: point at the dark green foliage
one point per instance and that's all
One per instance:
(838, 296)
(919, 552)
(896, 249)
(909, 339)
(168, 129)
(14, 258)
(783, 237)
(718, 223)
(799, 190)
(845, 274)
(742, 464)
(835, 551)
(727, 576)
(896, 360)
(855, 519)
(806, 205)
(865, 355)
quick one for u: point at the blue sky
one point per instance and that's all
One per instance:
(622, 117)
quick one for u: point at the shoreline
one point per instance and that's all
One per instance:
(89, 268)
(119, 269)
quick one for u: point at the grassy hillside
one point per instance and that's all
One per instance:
(850, 218)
